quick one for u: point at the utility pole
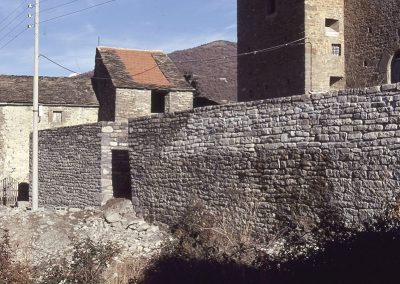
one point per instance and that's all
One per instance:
(35, 132)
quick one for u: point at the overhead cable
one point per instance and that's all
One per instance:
(15, 10)
(14, 19)
(58, 64)
(58, 6)
(13, 29)
(78, 11)
(14, 38)
(254, 52)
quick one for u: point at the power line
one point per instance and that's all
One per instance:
(15, 18)
(78, 11)
(292, 43)
(15, 10)
(254, 52)
(14, 38)
(13, 29)
(58, 64)
(61, 5)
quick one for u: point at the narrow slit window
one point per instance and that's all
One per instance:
(270, 7)
(336, 50)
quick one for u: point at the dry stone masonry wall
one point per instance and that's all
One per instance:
(70, 166)
(84, 165)
(299, 160)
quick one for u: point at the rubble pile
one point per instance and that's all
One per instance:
(49, 234)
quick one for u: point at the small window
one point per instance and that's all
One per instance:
(158, 101)
(370, 30)
(331, 27)
(365, 63)
(395, 68)
(336, 50)
(56, 117)
(398, 32)
(270, 7)
(335, 82)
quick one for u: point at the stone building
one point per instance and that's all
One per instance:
(321, 45)
(128, 84)
(133, 83)
(63, 102)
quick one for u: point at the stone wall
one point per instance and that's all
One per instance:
(178, 101)
(372, 38)
(321, 65)
(80, 166)
(114, 138)
(132, 103)
(278, 72)
(367, 31)
(16, 125)
(70, 166)
(271, 164)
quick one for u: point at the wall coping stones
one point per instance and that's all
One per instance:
(311, 96)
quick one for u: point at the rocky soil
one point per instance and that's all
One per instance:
(49, 234)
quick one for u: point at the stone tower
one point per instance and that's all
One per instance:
(320, 45)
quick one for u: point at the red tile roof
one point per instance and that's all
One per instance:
(142, 69)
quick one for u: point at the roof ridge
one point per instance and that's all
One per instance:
(131, 49)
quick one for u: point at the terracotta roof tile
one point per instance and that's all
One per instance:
(141, 69)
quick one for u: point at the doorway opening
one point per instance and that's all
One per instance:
(121, 174)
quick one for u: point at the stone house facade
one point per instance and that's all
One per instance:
(88, 164)
(321, 45)
(63, 102)
(133, 83)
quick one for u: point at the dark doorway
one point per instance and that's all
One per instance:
(395, 68)
(23, 191)
(121, 174)
(158, 101)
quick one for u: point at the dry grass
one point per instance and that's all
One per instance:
(12, 271)
(129, 270)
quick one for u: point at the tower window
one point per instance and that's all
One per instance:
(335, 82)
(56, 117)
(331, 27)
(370, 30)
(336, 50)
(270, 7)
(395, 68)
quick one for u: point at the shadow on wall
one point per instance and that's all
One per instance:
(367, 258)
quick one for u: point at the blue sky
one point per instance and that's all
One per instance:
(166, 25)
